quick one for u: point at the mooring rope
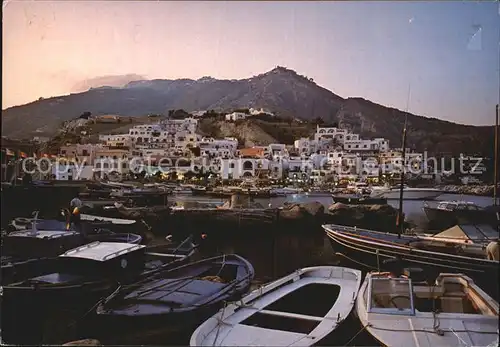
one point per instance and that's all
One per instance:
(359, 332)
(458, 337)
(355, 261)
(430, 331)
(223, 264)
(219, 323)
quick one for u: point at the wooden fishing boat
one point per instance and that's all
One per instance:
(174, 299)
(75, 281)
(104, 235)
(372, 249)
(285, 312)
(18, 268)
(88, 221)
(406, 312)
(35, 243)
(446, 214)
(49, 238)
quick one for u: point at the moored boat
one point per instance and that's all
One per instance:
(174, 299)
(445, 214)
(406, 312)
(373, 249)
(285, 312)
(35, 243)
(358, 200)
(198, 190)
(75, 281)
(285, 191)
(409, 193)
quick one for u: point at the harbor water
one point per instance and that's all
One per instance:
(412, 208)
(274, 255)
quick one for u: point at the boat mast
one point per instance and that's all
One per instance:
(401, 220)
(495, 174)
(401, 187)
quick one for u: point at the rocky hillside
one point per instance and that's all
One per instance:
(256, 132)
(280, 90)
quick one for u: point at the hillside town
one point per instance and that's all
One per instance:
(281, 177)
(174, 147)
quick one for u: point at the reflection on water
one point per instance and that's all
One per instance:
(277, 255)
(412, 208)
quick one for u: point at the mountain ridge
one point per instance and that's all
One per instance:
(280, 90)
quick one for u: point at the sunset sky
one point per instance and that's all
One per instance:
(447, 51)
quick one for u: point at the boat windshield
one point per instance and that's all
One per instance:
(480, 232)
(390, 296)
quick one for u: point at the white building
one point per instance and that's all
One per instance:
(70, 171)
(198, 114)
(250, 167)
(236, 116)
(334, 159)
(319, 160)
(152, 152)
(238, 168)
(254, 112)
(370, 168)
(375, 145)
(186, 139)
(150, 133)
(118, 140)
(331, 133)
(392, 161)
(304, 145)
(224, 148)
(175, 125)
(320, 176)
(276, 150)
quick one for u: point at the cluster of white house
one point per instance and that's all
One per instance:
(173, 144)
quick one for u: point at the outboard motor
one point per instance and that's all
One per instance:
(396, 266)
(416, 274)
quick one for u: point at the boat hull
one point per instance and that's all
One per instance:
(30, 310)
(324, 292)
(142, 320)
(446, 219)
(356, 200)
(27, 306)
(404, 329)
(367, 251)
(417, 194)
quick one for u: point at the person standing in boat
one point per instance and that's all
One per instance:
(75, 218)
(75, 202)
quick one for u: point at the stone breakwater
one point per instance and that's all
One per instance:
(374, 217)
(481, 190)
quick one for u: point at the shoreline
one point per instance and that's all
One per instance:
(476, 190)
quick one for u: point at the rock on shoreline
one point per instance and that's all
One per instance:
(85, 342)
(480, 190)
(373, 217)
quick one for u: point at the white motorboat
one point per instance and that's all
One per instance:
(358, 187)
(452, 312)
(183, 189)
(285, 191)
(93, 218)
(393, 193)
(285, 312)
